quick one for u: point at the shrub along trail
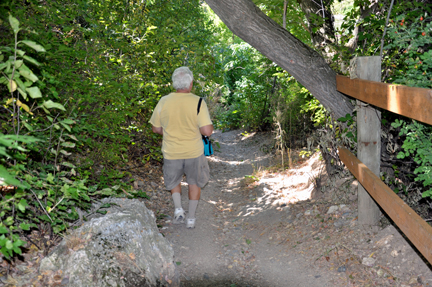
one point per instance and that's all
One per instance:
(231, 245)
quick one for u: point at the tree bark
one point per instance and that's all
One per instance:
(249, 23)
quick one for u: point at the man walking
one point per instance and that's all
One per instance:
(175, 117)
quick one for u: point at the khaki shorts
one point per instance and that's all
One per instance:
(196, 169)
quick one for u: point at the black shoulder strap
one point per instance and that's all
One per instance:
(199, 105)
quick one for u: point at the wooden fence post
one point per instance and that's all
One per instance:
(368, 136)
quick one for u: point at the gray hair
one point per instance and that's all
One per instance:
(182, 78)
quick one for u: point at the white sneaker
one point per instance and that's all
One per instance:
(179, 216)
(190, 223)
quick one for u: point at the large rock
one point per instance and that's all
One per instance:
(121, 248)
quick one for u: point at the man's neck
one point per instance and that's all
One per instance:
(183, 91)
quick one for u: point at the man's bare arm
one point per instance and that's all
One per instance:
(206, 130)
(157, 130)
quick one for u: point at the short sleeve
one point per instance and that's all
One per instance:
(155, 118)
(204, 115)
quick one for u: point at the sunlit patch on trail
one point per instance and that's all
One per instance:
(274, 191)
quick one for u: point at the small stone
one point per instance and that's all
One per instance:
(368, 261)
(413, 280)
(206, 276)
(394, 253)
(380, 272)
(332, 209)
(342, 268)
(308, 212)
(343, 207)
(299, 215)
(421, 280)
(138, 184)
(339, 223)
(230, 266)
(64, 281)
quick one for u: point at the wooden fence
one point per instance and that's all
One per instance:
(415, 103)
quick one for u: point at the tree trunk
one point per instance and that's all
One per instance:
(249, 23)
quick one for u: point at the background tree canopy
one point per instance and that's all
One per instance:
(79, 80)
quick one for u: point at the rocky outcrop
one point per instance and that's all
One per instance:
(121, 248)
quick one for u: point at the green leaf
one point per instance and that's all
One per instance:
(14, 23)
(31, 60)
(68, 121)
(68, 144)
(34, 92)
(33, 45)
(50, 104)
(29, 127)
(50, 178)
(68, 164)
(44, 217)
(18, 63)
(24, 226)
(248, 241)
(22, 205)
(9, 244)
(66, 126)
(17, 250)
(73, 137)
(27, 73)
(7, 178)
(3, 230)
(65, 152)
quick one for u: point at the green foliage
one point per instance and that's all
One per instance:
(78, 83)
(256, 93)
(418, 145)
(319, 113)
(296, 22)
(408, 39)
(350, 131)
(35, 154)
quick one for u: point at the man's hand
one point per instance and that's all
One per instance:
(206, 130)
(157, 130)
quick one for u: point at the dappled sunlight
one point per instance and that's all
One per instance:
(275, 191)
(257, 192)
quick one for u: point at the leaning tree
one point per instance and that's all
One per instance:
(249, 23)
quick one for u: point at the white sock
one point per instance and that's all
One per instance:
(192, 208)
(177, 199)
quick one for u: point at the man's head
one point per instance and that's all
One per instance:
(182, 78)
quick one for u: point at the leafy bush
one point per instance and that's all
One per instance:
(409, 57)
(418, 145)
(45, 190)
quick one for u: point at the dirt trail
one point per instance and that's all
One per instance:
(231, 245)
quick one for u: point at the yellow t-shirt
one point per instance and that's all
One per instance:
(176, 113)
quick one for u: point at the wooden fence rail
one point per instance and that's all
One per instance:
(414, 227)
(415, 103)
